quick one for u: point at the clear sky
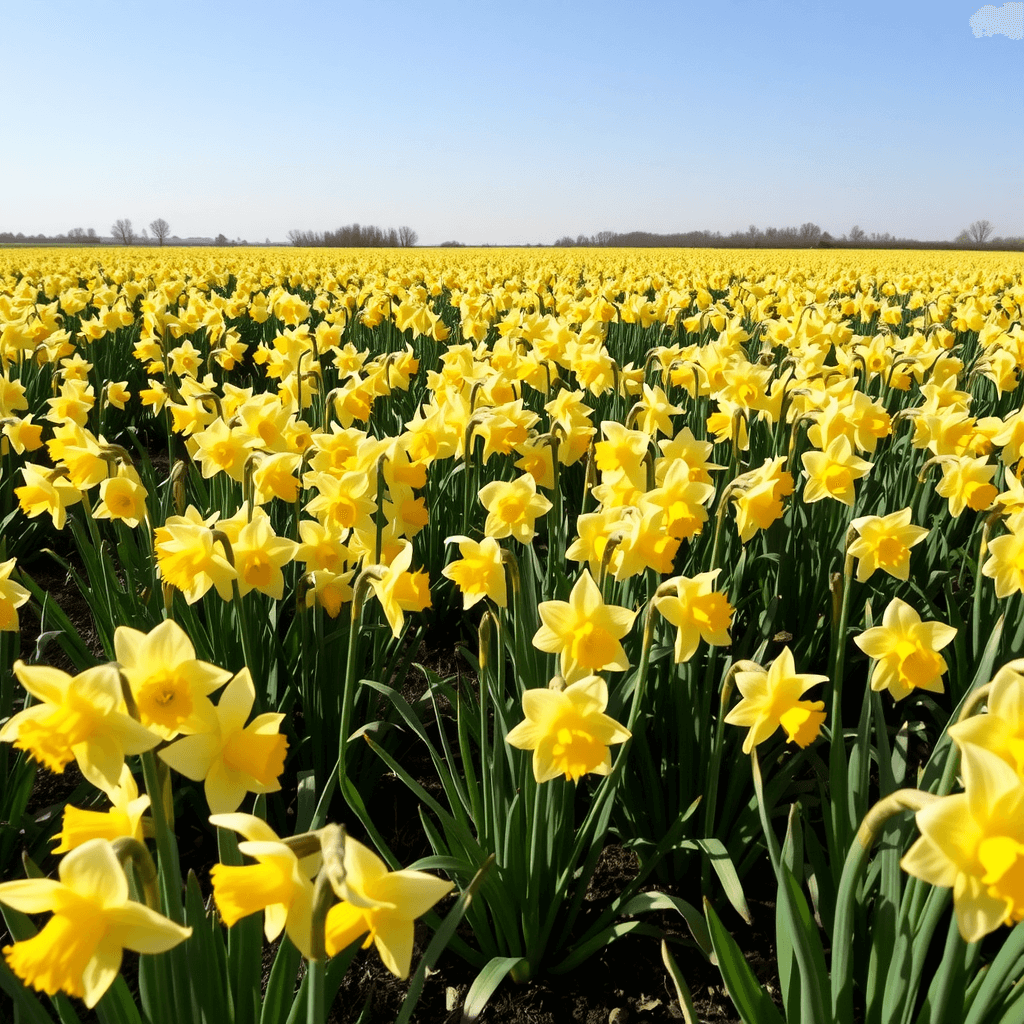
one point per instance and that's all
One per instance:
(510, 121)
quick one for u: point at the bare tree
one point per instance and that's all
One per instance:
(980, 231)
(122, 231)
(810, 233)
(161, 229)
(857, 233)
(407, 237)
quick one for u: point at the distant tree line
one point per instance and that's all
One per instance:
(807, 236)
(355, 236)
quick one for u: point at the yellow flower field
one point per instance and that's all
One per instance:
(733, 545)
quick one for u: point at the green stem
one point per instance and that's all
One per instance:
(315, 1009)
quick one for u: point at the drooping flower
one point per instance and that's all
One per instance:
(906, 651)
(1002, 729)
(772, 698)
(584, 631)
(233, 758)
(46, 491)
(382, 905)
(278, 883)
(567, 730)
(79, 719)
(189, 558)
(79, 950)
(884, 542)
(124, 819)
(122, 497)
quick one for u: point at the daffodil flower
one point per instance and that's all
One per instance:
(884, 542)
(171, 687)
(381, 904)
(567, 730)
(278, 883)
(400, 591)
(232, 757)
(584, 631)
(698, 611)
(124, 819)
(906, 651)
(772, 698)
(79, 719)
(513, 508)
(12, 597)
(974, 842)
(479, 573)
(79, 950)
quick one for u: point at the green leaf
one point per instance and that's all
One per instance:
(583, 951)
(753, 1004)
(206, 954)
(645, 902)
(726, 871)
(682, 989)
(280, 994)
(485, 983)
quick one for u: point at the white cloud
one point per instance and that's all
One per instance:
(1007, 20)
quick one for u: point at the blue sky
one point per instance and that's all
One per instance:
(498, 122)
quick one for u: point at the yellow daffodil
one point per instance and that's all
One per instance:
(967, 483)
(79, 949)
(382, 905)
(1005, 562)
(759, 500)
(567, 729)
(278, 883)
(124, 819)
(831, 473)
(259, 554)
(341, 500)
(884, 542)
(189, 558)
(171, 687)
(513, 508)
(622, 451)
(646, 544)
(1002, 729)
(233, 758)
(46, 491)
(974, 842)
(584, 631)
(79, 719)
(12, 597)
(906, 651)
(122, 497)
(772, 698)
(400, 591)
(274, 477)
(479, 573)
(698, 611)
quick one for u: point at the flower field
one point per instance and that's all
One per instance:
(732, 546)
